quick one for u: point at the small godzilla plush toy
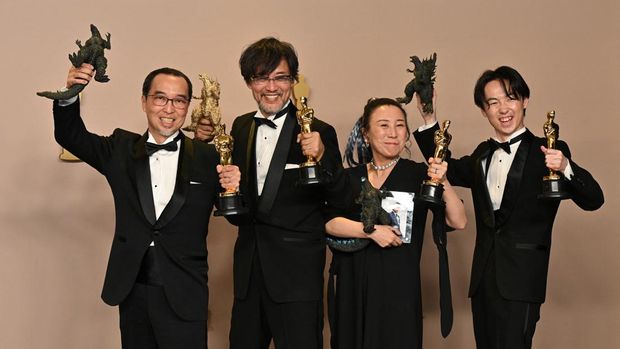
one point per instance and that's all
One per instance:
(92, 53)
(422, 83)
(372, 213)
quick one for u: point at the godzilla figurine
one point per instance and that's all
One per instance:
(209, 106)
(92, 52)
(372, 213)
(422, 83)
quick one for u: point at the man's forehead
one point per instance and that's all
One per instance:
(492, 92)
(166, 83)
(281, 68)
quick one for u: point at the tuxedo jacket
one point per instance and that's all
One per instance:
(285, 229)
(520, 231)
(179, 233)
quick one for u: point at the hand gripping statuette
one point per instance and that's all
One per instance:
(230, 201)
(431, 190)
(554, 186)
(309, 171)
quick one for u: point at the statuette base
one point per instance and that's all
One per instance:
(230, 204)
(431, 193)
(554, 188)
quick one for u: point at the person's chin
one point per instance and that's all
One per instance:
(271, 108)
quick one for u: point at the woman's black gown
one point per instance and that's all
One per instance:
(374, 294)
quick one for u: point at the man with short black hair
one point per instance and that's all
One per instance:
(511, 257)
(164, 186)
(280, 251)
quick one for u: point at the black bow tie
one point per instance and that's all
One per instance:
(152, 148)
(494, 145)
(268, 122)
(264, 121)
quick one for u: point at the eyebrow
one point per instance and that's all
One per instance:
(387, 120)
(164, 94)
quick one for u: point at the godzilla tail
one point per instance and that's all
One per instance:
(67, 94)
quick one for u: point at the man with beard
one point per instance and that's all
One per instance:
(280, 251)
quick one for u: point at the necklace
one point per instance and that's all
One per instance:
(383, 167)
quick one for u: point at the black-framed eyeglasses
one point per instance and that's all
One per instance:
(279, 80)
(177, 102)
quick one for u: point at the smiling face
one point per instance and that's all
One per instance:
(164, 121)
(387, 133)
(503, 109)
(272, 95)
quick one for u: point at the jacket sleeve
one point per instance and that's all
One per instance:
(337, 188)
(71, 133)
(460, 171)
(584, 189)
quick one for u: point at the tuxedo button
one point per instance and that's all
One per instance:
(498, 231)
(156, 232)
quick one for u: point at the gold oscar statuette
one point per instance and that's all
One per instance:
(431, 190)
(554, 186)
(230, 201)
(309, 171)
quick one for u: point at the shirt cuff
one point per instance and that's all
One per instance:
(426, 127)
(66, 102)
(568, 172)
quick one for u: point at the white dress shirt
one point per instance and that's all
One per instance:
(498, 170)
(266, 141)
(163, 165)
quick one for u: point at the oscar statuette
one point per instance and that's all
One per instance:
(309, 171)
(230, 201)
(554, 186)
(431, 190)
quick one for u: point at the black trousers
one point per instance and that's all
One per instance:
(501, 323)
(148, 322)
(257, 319)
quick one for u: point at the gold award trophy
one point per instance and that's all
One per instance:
(431, 190)
(309, 171)
(230, 201)
(554, 186)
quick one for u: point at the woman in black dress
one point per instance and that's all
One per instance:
(375, 296)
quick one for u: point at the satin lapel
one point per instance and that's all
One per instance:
(143, 179)
(249, 173)
(513, 180)
(184, 167)
(488, 216)
(278, 162)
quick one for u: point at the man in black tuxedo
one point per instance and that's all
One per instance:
(511, 257)
(280, 251)
(164, 185)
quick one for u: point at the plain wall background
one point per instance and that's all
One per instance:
(56, 218)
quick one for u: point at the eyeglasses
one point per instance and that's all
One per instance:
(278, 80)
(177, 102)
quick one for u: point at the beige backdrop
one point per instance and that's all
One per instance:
(56, 219)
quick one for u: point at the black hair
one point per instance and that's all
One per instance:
(510, 79)
(355, 142)
(264, 56)
(148, 81)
